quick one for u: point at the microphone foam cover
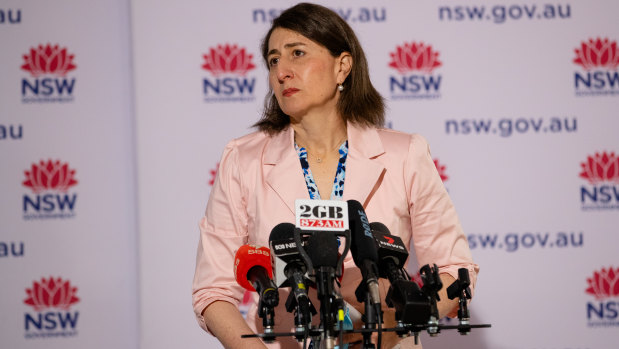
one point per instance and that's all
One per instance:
(380, 228)
(362, 245)
(282, 231)
(247, 257)
(322, 249)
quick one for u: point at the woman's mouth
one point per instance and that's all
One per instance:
(289, 91)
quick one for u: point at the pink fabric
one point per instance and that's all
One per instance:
(391, 173)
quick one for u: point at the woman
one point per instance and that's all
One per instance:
(320, 137)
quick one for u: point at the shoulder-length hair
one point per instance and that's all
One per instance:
(359, 102)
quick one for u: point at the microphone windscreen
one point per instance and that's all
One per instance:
(362, 245)
(379, 228)
(322, 249)
(282, 231)
(247, 257)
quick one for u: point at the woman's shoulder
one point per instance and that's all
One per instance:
(249, 144)
(398, 140)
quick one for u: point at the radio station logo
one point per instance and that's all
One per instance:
(329, 215)
(12, 249)
(51, 300)
(48, 67)
(50, 182)
(415, 63)
(11, 132)
(10, 16)
(228, 66)
(441, 170)
(604, 287)
(601, 171)
(598, 60)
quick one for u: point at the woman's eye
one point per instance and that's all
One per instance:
(298, 53)
(273, 61)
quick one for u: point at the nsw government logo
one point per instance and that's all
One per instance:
(604, 287)
(49, 182)
(228, 66)
(48, 67)
(601, 170)
(415, 62)
(51, 316)
(598, 60)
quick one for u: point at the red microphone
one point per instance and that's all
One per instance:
(253, 271)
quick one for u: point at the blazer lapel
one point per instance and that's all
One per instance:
(284, 174)
(363, 173)
(283, 169)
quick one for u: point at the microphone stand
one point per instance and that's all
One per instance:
(267, 314)
(331, 303)
(431, 285)
(460, 288)
(303, 313)
(371, 317)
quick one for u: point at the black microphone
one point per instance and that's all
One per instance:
(322, 249)
(364, 252)
(412, 306)
(287, 258)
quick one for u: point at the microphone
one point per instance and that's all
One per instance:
(364, 252)
(319, 223)
(287, 259)
(322, 250)
(252, 270)
(412, 306)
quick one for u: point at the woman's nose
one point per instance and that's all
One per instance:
(283, 71)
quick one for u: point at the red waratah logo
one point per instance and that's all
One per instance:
(51, 293)
(50, 175)
(604, 283)
(597, 53)
(602, 167)
(414, 56)
(441, 170)
(213, 175)
(48, 59)
(228, 59)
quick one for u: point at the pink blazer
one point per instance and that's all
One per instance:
(391, 173)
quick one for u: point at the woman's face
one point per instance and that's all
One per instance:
(302, 74)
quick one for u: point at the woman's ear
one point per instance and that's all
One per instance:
(344, 66)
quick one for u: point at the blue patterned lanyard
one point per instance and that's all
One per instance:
(338, 182)
(336, 194)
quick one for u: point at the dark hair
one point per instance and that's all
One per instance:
(359, 102)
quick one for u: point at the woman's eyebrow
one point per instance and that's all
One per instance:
(292, 44)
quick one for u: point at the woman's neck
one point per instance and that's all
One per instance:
(320, 134)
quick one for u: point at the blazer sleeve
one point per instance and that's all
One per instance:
(437, 234)
(223, 229)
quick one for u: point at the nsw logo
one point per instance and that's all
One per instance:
(598, 60)
(604, 287)
(415, 62)
(48, 67)
(49, 182)
(51, 300)
(601, 170)
(228, 66)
